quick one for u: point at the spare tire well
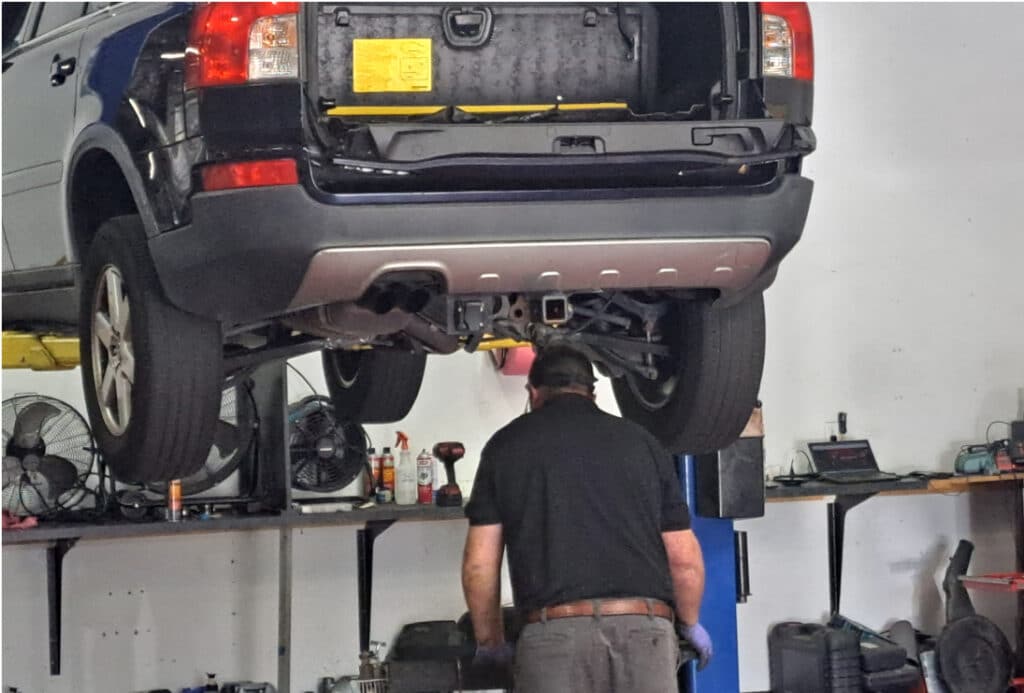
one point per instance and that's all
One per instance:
(99, 192)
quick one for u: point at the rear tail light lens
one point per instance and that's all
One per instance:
(239, 42)
(274, 48)
(250, 174)
(787, 43)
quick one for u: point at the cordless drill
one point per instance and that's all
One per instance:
(449, 495)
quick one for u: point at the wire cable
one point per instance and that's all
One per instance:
(304, 378)
(988, 430)
(810, 464)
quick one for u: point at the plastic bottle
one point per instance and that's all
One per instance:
(405, 472)
(425, 478)
(387, 473)
(374, 459)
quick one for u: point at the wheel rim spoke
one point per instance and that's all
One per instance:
(127, 367)
(115, 297)
(125, 313)
(102, 329)
(107, 385)
(124, 401)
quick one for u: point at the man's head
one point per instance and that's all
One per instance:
(559, 369)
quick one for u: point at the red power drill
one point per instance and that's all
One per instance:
(449, 495)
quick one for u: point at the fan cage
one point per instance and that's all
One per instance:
(67, 435)
(238, 412)
(312, 420)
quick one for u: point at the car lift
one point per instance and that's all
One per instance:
(46, 352)
(725, 572)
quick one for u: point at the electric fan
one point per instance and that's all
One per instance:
(326, 455)
(231, 442)
(48, 455)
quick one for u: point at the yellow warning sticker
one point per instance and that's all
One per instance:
(395, 65)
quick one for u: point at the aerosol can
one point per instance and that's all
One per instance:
(405, 473)
(425, 478)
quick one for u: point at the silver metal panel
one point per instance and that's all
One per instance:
(344, 274)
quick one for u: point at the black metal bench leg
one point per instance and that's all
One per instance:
(836, 536)
(365, 539)
(54, 579)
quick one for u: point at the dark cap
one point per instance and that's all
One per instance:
(561, 366)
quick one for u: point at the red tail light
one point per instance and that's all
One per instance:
(250, 174)
(235, 42)
(787, 40)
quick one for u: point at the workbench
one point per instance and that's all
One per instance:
(844, 497)
(58, 539)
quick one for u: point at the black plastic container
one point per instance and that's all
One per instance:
(811, 658)
(902, 680)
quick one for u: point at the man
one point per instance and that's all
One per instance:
(601, 555)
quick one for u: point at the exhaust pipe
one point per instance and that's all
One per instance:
(422, 331)
(411, 300)
(380, 301)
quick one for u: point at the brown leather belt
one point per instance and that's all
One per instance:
(604, 607)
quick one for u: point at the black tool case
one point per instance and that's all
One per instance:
(811, 658)
(486, 55)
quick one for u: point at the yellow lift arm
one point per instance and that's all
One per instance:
(55, 353)
(45, 352)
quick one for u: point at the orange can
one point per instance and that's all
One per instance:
(174, 501)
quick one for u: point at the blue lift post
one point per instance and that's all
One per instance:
(718, 611)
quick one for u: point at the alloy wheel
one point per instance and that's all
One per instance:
(113, 354)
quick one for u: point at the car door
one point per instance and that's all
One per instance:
(40, 76)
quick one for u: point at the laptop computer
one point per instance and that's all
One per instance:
(847, 462)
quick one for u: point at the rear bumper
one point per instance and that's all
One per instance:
(258, 253)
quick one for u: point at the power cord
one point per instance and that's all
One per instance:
(988, 439)
(304, 378)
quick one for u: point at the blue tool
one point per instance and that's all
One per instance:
(976, 459)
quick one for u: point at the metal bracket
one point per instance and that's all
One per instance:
(54, 584)
(836, 535)
(365, 539)
(284, 611)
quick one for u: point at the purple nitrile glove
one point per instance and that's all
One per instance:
(497, 656)
(701, 641)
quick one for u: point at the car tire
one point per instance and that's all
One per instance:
(711, 380)
(151, 373)
(373, 385)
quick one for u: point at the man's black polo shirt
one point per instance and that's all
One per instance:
(582, 497)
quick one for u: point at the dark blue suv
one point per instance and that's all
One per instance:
(194, 189)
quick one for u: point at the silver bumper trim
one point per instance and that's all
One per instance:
(728, 264)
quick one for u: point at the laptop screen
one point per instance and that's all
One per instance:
(843, 456)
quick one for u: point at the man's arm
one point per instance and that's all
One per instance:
(481, 582)
(686, 565)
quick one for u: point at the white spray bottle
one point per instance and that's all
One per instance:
(405, 473)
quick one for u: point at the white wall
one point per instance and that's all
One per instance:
(901, 306)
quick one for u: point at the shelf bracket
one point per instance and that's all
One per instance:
(365, 539)
(837, 510)
(54, 588)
